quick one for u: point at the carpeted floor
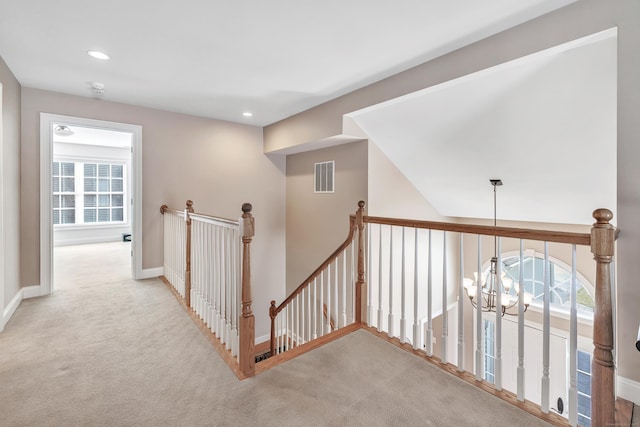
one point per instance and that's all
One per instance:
(104, 350)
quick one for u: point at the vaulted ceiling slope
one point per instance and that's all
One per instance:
(545, 124)
(219, 59)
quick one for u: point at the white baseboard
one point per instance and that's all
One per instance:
(11, 308)
(31, 292)
(628, 389)
(263, 338)
(150, 273)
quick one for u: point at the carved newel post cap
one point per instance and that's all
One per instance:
(361, 204)
(246, 207)
(189, 205)
(603, 216)
(163, 209)
(273, 303)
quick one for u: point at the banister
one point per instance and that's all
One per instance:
(247, 320)
(187, 274)
(583, 239)
(316, 272)
(603, 236)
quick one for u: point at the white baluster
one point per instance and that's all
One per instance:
(521, 377)
(390, 315)
(403, 320)
(309, 312)
(461, 306)
(298, 338)
(315, 313)
(445, 318)
(573, 343)
(341, 321)
(545, 333)
(479, 326)
(302, 317)
(321, 300)
(369, 279)
(498, 340)
(380, 312)
(416, 323)
(351, 286)
(327, 322)
(429, 334)
(337, 287)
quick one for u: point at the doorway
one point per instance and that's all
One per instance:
(90, 185)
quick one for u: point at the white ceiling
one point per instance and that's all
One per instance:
(218, 59)
(545, 124)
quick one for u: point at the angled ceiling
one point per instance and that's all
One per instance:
(219, 59)
(545, 124)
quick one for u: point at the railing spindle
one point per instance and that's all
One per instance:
(479, 324)
(573, 343)
(546, 332)
(429, 334)
(416, 299)
(380, 312)
(445, 317)
(521, 371)
(461, 305)
(390, 315)
(403, 320)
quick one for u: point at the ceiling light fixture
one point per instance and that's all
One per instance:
(62, 130)
(98, 55)
(491, 284)
(247, 114)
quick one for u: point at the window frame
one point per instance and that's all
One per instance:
(79, 193)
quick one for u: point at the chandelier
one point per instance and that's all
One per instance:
(490, 284)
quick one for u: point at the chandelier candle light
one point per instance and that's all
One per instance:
(493, 283)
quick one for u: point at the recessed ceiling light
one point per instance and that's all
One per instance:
(98, 55)
(247, 114)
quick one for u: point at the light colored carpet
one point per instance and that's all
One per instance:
(104, 350)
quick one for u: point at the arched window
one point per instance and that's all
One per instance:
(560, 282)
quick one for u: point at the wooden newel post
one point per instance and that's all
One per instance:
(272, 315)
(187, 270)
(361, 285)
(602, 366)
(247, 320)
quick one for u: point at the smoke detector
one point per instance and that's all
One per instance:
(62, 130)
(97, 88)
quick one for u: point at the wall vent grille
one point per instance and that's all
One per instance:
(324, 177)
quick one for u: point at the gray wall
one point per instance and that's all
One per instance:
(219, 165)
(569, 23)
(318, 223)
(10, 185)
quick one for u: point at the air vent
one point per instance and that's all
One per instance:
(324, 174)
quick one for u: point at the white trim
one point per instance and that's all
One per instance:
(87, 240)
(11, 308)
(263, 338)
(22, 294)
(628, 389)
(30, 292)
(150, 273)
(46, 228)
(2, 204)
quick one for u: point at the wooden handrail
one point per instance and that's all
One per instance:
(583, 239)
(316, 272)
(603, 236)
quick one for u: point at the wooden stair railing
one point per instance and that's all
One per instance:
(230, 312)
(602, 243)
(293, 335)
